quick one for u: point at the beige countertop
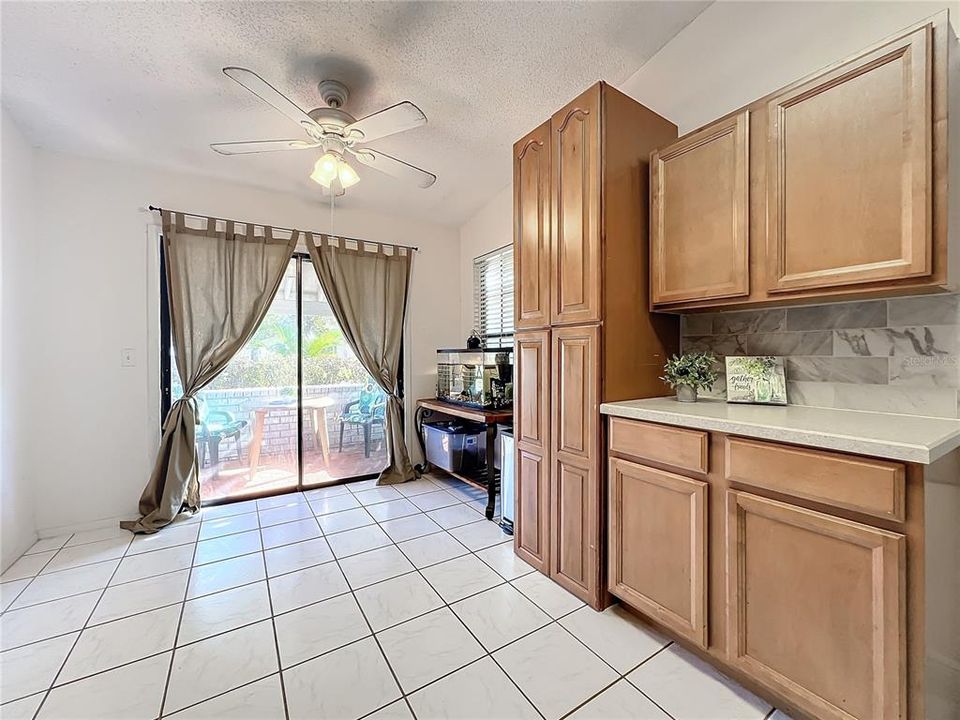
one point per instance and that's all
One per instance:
(885, 435)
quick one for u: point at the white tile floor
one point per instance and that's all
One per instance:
(345, 602)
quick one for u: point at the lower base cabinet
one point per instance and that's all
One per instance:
(800, 572)
(532, 516)
(658, 545)
(816, 607)
(575, 534)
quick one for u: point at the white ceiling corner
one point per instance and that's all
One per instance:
(141, 81)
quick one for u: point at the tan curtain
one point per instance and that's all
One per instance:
(367, 291)
(220, 285)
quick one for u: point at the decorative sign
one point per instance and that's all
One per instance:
(756, 380)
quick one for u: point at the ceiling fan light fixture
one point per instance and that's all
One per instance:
(347, 175)
(331, 168)
(326, 169)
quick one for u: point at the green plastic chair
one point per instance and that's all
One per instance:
(367, 411)
(215, 426)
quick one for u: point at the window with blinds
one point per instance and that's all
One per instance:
(493, 297)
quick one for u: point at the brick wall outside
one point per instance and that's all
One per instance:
(280, 428)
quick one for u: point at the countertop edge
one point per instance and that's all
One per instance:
(906, 452)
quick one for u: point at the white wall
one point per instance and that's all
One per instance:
(730, 55)
(736, 52)
(17, 521)
(488, 230)
(93, 425)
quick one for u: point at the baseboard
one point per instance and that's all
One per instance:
(58, 530)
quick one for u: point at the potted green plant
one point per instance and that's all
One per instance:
(688, 373)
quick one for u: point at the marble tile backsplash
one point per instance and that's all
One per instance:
(899, 355)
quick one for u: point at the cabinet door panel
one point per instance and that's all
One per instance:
(531, 528)
(699, 227)
(575, 229)
(531, 212)
(531, 537)
(532, 389)
(574, 530)
(658, 552)
(576, 390)
(817, 608)
(849, 171)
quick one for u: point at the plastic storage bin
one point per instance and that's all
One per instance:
(454, 446)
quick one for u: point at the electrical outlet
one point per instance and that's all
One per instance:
(127, 358)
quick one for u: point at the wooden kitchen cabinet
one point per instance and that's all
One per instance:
(575, 525)
(699, 215)
(532, 434)
(586, 334)
(575, 484)
(531, 412)
(846, 186)
(532, 210)
(816, 608)
(576, 407)
(658, 545)
(576, 212)
(821, 580)
(531, 523)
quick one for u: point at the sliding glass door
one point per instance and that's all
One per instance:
(294, 408)
(343, 410)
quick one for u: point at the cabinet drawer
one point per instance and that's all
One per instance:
(864, 485)
(676, 447)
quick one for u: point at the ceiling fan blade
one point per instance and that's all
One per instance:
(393, 167)
(397, 118)
(270, 95)
(261, 146)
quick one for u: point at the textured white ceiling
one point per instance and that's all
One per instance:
(141, 81)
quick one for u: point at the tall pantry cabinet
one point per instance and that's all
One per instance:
(584, 331)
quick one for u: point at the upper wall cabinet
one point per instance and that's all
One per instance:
(576, 221)
(531, 197)
(848, 171)
(847, 174)
(699, 215)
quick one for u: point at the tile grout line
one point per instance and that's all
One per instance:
(236, 587)
(379, 523)
(350, 591)
(556, 621)
(448, 607)
(418, 570)
(373, 634)
(66, 658)
(30, 579)
(273, 619)
(83, 565)
(176, 637)
(421, 511)
(183, 602)
(622, 677)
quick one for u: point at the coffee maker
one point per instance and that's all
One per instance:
(501, 387)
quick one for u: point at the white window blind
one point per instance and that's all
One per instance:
(493, 297)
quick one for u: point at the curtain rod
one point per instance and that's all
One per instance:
(412, 248)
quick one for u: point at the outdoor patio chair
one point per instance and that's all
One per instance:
(213, 427)
(367, 412)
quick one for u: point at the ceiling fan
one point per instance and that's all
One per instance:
(335, 132)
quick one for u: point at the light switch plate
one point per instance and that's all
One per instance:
(127, 358)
